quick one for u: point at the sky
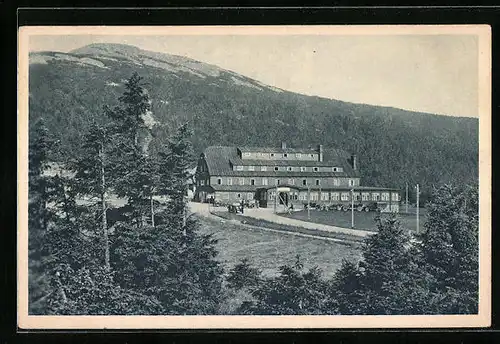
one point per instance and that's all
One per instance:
(428, 73)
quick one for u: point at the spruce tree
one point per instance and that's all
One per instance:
(450, 244)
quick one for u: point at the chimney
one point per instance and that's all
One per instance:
(320, 153)
(354, 162)
(283, 145)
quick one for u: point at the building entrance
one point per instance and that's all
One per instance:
(283, 198)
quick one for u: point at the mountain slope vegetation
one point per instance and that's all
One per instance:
(69, 90)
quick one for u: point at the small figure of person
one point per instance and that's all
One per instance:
(242, 206)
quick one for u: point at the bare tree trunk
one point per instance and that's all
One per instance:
(104, 216)
(152, 210)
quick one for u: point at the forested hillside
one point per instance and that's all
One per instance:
(394, 146)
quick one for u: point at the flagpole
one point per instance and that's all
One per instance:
(407, 197)
(352, 208)
(418, 206)
(308, 202)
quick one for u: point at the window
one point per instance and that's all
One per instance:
(272, 154)
(219, 181)
(345, 196)
(312, 155)
(334, 196)
(229, 181)
(285, 155)
(239, 195)
(291, 181)
(252, 181)
(385, 196)
(317, 182)
(264, 181)
(250, 195)
(302, 169)
(336, 182)
(251, 168)
(239, 168)
(277, 181)
(365, 196)
(242, 181)
(263, 168)
(334, 169)
(351, 182)
(395, 196)
(298, 155)
(289, 168)
(375, 197)
(315, 169)
(324, 196)
(304, 181)
(247, 154)
(275, 168)
(202, 182)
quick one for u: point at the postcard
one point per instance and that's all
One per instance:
(254, 177)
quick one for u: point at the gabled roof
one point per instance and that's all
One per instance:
(219, 158)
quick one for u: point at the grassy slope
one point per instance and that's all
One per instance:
(268, 250)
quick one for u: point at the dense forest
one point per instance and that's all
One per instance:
(224, 108)
(155, 261)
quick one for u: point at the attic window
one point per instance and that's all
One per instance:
(276, 168)
(247, 154)
(219, 181)
(315, 169)
(298, 155)
(272, 154)
(263, 168)
(289, 168)
(285, 155)
(239, 168)
(302, 169)
(312, 155)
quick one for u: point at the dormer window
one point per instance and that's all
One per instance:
(315, 169)
(302, 169)
(334, 169)
(289, 168)
(285, 155)
(276, 168)
(239, 168)
(298, 155)
(247, 154)
(312, 155)
(272, 154)
(251, 168)
(263, 168)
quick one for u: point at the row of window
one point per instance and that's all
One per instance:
(343, 196)
(288, 168)
(282, 155)
(290, 181)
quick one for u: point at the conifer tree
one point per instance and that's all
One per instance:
(450, 245)
(174, 162)
(134, 173)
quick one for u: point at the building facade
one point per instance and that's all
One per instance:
(284, 175)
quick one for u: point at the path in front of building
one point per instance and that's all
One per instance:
(268, 214)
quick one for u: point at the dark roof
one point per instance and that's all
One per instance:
(218, 160)
(284, 162)
(277, 150)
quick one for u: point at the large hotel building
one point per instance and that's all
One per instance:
(296, 175)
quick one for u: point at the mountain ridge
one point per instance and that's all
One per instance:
(227, 108)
